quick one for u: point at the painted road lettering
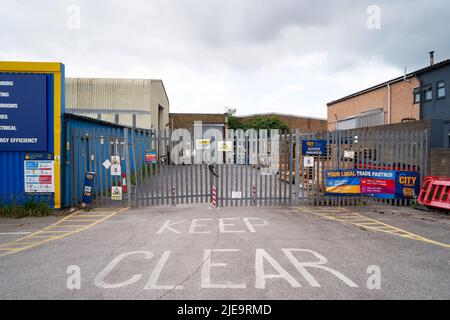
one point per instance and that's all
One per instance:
(225, 225)
(263, 261)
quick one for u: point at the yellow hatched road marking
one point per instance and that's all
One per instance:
(59, 233)
(374, 224)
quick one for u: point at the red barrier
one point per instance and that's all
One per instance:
(435, 192)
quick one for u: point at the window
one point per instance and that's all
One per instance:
(116, 118)
(416, 95)
(427, 93)
(441, 89)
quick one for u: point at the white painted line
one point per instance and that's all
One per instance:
(13, 233)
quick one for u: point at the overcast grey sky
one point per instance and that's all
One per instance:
(290, 56)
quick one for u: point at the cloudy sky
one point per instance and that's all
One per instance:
(290, 56)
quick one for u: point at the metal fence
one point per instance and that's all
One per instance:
(240, 183)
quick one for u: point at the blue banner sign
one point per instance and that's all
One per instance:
(23, 112)
(376, 183)
(314, 147)
(88, 188)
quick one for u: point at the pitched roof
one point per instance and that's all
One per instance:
(409, 75)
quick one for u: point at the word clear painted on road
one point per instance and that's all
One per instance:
(39, 176)
(116, 169)
(225, 225)
(268, 270)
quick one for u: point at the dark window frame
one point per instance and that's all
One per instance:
(425, 89)
(415, 92)
(437, 89)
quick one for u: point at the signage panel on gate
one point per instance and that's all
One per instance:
(202, 144)
(377, 183)
(23, 112)
(116, 193)
(314, 147)
(150, 156)
(116, 170)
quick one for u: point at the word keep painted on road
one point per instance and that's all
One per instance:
(225, 225)
(116, 169)
(23, 112)
(314, 147)
(39, 176)
(377, 183)
(116, 193)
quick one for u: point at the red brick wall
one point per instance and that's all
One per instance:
(401, 103)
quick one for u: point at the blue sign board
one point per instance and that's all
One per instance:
(88, 188)
(23, 112)
(314, 147)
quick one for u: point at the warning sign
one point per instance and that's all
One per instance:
(202, 144)
(116, 170)
(224, 146)
(39, 176)
(116, 193)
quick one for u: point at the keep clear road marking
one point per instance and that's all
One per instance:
(54, 231)
(346, 216)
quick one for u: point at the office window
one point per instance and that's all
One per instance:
(427, 93)
(116, 118)
(134, 120)
(416, 95)
(441, 89)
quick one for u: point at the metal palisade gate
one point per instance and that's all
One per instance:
(255, 168)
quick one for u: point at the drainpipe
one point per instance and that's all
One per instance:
(389, 102)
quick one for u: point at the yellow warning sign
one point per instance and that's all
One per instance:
(116, 193)
(202, 144)
(224, 146)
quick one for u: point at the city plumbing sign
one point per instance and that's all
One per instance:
(23, 112)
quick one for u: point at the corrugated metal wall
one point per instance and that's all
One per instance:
(123, 98)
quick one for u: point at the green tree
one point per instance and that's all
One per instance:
(272, 122)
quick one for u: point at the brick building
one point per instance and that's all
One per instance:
(292, 121)
(209, 120)
(418, 95)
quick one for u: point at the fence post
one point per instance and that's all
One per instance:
(297, 166)
(127, 165)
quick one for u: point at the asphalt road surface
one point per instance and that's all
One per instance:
(193, 252)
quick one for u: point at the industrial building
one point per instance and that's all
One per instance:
(418, 95)
(137, 103)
